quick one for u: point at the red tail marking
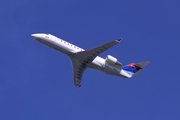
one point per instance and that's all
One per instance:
(132, 65)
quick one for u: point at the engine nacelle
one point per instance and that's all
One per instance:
(110, 59)
(113, 61)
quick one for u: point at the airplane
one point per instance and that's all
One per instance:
(81, 59)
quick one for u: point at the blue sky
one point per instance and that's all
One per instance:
(36, 82)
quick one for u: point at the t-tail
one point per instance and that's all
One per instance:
(131, 69)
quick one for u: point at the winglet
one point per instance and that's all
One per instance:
(119, 39)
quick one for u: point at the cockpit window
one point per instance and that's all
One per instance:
(47, 33)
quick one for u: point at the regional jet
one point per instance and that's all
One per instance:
(81, 59)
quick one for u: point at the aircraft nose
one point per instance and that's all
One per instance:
(34, 36)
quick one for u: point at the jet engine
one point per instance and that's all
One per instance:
(113, 61)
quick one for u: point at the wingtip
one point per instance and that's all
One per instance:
(120, 39)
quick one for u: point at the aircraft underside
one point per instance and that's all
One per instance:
(81, 59)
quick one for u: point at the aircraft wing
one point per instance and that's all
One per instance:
(78, 69)
(80, 60)
(94, 52)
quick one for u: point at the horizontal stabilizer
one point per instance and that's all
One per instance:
(141, 65)
(137, 73)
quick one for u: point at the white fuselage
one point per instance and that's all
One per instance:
(69, 49)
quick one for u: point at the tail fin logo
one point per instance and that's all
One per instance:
(131, 69)
(132, 65)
